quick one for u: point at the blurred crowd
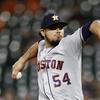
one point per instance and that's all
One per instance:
(19, 27)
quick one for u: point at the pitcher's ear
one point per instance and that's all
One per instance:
(41, 33)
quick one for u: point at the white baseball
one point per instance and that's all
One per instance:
(19, 75)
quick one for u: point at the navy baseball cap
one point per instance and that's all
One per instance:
(52, 19)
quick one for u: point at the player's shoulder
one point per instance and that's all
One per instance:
(67, 38)
(74, 34)
(41, 43)
(72, 37)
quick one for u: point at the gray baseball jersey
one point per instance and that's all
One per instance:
(59, 69)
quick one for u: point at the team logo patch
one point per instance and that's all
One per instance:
(55, 17)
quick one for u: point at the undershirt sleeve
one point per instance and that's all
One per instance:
(85, 31)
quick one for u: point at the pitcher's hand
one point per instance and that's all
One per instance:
(17, 67)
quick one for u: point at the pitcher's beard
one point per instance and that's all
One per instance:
(52, 42)
(55, 43)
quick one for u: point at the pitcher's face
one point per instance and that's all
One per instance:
(53, 34)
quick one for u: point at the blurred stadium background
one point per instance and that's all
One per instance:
(19, 27)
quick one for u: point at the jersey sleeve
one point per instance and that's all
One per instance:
(72, 44)
(80, 36)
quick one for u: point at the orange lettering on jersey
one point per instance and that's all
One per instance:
(43, 64)
(59, 65)
(53, 64)
(48, 63)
